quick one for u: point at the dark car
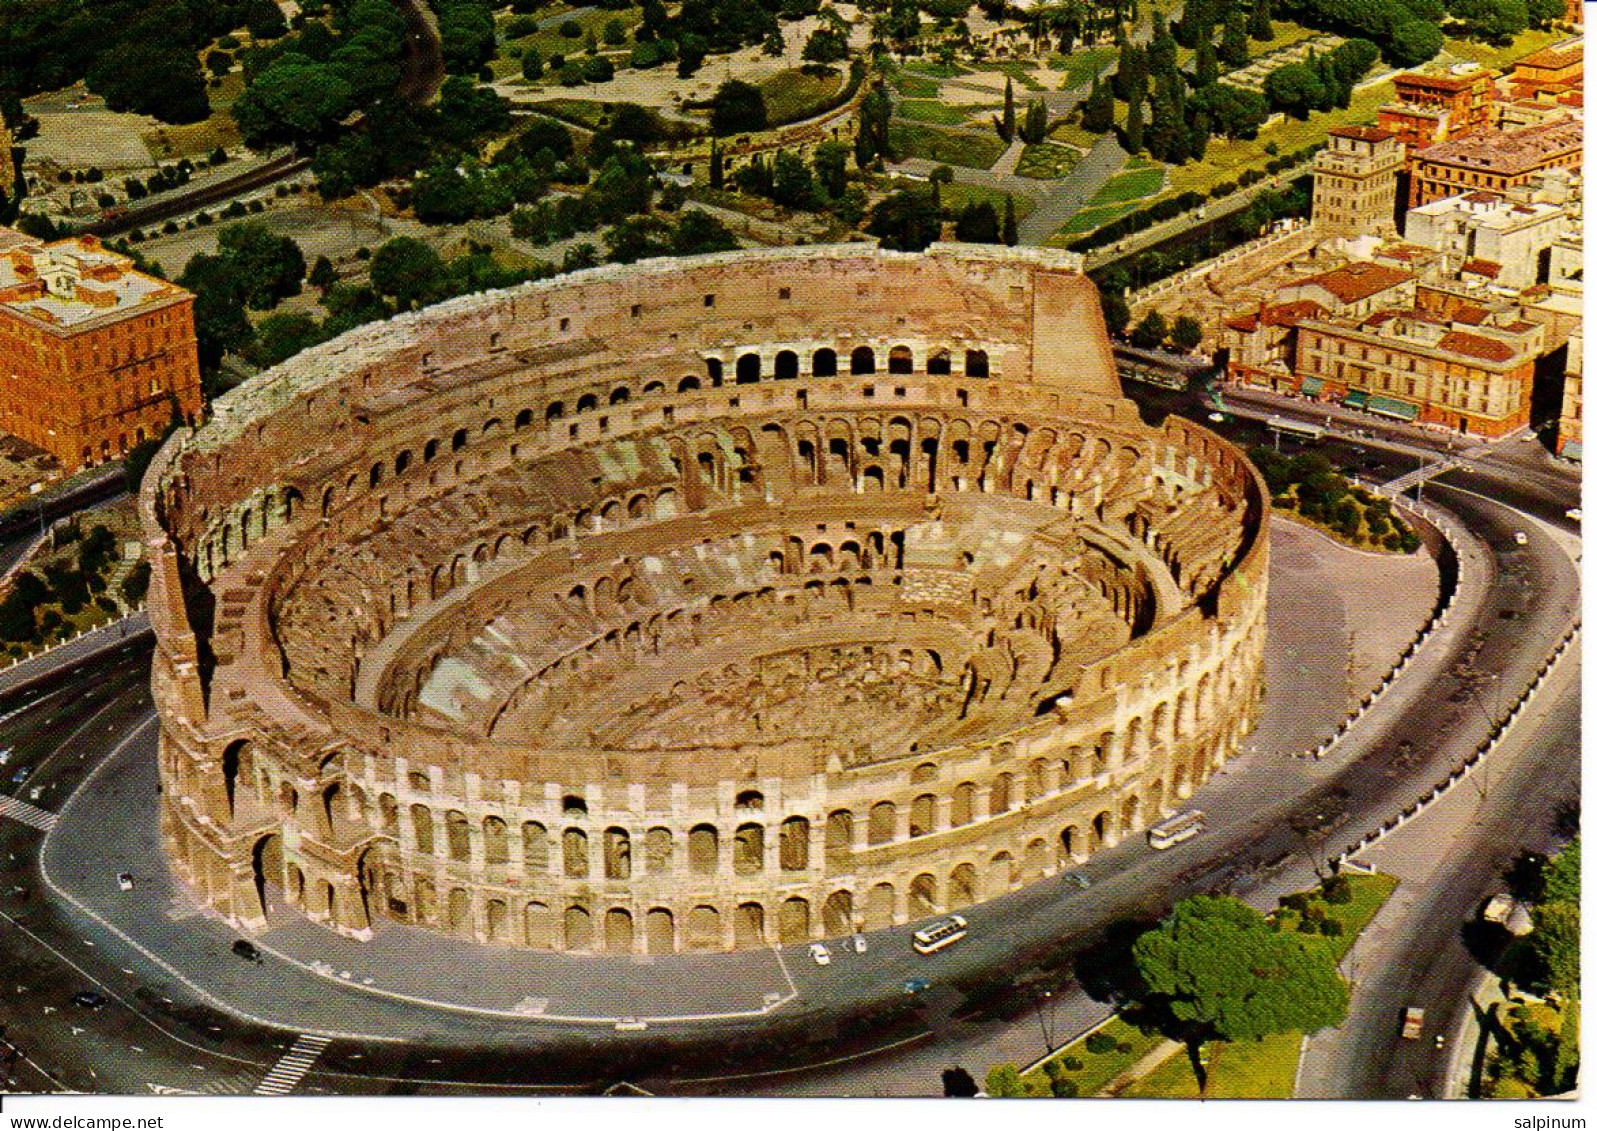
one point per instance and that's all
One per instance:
(247, 951)
(21, 775)
(88, 999)
(917, 985)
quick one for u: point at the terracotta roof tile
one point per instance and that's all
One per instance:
(1473, 345)
(1358, 281)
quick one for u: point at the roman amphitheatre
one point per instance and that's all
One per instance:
(699, 604)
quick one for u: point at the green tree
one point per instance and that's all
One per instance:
(1006, 123)
(1543, 12)
(905, 221)
(1150, 332)
(268, 267)
(615, 32)
(264, 19)
(1004, 1082)
(1215, 969)
(1116, 312)
(699, 233)
(293, 101)
(1187, 333)
(1098, 109)
(738, 107)
(1205, 67)
(1412, 41)
(1556, 941)
(322, 274)
(1011, 231)
(161, 79)
(220, 324)
(406, 270)
(793, 184)
(1295, 89)
(283, 334)
(717, 166)
(977, 223)
(831, 168)
(1233, 50)
(531, 65)
(1132, 135)
(1260, 27)
(1034, 126)
(826, 45)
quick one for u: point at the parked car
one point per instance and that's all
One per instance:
(88, 999)
(124, 881)
(917, 985)
(248, 951)
(1413, 1023)
(631, 1025)
(5, 755)
(822, 955)
(21, 775)
(860, 945)
(1520, 538)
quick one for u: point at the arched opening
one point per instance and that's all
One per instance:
(534, 848)
(922, 896)
(879, 907)
(712, 370)
(704, 928)
(617, 854)
(495, 841)
(587, 402)
(237, 762)
(618, 930)
(687, 384)
(900, 360)
(748, 850)
(579, 928)
(794, 920)
(574, 847)
(704, 850)
(659, 931)
(862, 361)
(620, 395)
(459, 833)
(748, 369)
(975, 363)
(883, 826)
(923, 815)
(839, 838)
(962, 886)
(421, 822)
(824, 363)
(268, 862)
(458, 440)
(538, 924)
(748, 925)
(787, 365)
(794, 844)
(555, 411)
(837, 914)
(939, 365)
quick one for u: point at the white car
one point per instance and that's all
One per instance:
(5, 755)
(819, 952)
(1217, 418)
(1573, 514)
(124, 880)
(860, 946)
(631, 1025)
(1519, 538)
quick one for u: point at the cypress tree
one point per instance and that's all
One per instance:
(717, 166)
(1234, 43)
(1205, 67)
(1098, 111)
(1006, 130)
(1259, 25)
(1011, 228)
(1133, 133)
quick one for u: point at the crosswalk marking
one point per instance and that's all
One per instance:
(28, 814)
(290, 1070)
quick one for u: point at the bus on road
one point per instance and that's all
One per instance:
(1174, 830)
(944, 932)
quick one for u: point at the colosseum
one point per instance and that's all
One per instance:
(694, 605)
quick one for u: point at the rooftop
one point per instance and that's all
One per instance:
(1516, 151)
(1361, 133)
(1357, 281)
(1556, 57)
(72, 282)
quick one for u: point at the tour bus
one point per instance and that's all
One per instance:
(944, 932)
(1174, 830)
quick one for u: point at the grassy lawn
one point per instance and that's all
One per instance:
(1245, 1070)
(956, 196)
(1369, 893)
(972, 150)
(580, 111)
(914, 86)
(1138, 184)
(1496, 58)
(796, 94)
(1089, 219)
(549, 41)
(1071, 133)
(1020, 72)
(1226, 160)
(1081, 66)
(1099, 1068)
(1048, 161)
(931, 110)
(197, 139)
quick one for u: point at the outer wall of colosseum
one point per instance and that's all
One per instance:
(694, 605)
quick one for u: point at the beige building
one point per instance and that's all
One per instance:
(1511, 241)
(1494, 160)
(1569, 415)
(1354, 289)
(1355, 182)
(1412, 366)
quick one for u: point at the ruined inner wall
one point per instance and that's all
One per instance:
(695, 605)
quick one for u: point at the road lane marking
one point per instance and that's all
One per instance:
(293, 1066)
(19, 810)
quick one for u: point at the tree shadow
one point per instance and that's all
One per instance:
(1107, 971)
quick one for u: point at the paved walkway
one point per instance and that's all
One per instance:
(1067, 196)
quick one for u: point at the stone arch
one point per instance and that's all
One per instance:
(839, 838)
(704, 928)
(1099, 837)
(495, 841)
(837, 914)
(900, 360)
(923, 896)
(238, 763)
(534, 847)
(879, 907)
(498, 920)
(659, 931)
(458, 831)
(267, 860)
(793, 920)
(1000, 874)
(421, 821)
(823, 363)
(883, 825)
(617, 854)
(657, 851)
(459, 911)
(618, 930)
(578, 928)
(587, 402)
(787, 365)
(748, 925)
(1069, 844)
(1035, 861)
(574, 853)
(1001, 796)
(793, 847)
(748, 849)
(1130, 814)
(537, 924)
(748, 369)
(962, 886)
(939, 364)
(962, 811)
(704, 850)
(976, 363)
(862, 361)
(923, 815)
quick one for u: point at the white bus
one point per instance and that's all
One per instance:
(944, 932)
(1174, 830)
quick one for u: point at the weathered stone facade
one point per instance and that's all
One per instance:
(695, 604)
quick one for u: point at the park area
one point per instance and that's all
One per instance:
(1132, 1056)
